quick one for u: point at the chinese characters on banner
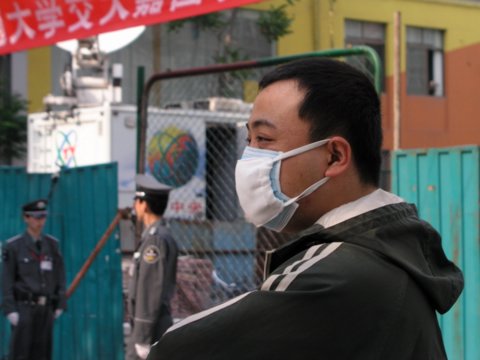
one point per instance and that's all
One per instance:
(26, 24)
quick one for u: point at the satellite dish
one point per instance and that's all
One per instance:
(109, 41)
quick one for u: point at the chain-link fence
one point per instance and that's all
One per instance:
(193, 132)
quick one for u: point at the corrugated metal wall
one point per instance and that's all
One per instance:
(83, 204)
(444, 183)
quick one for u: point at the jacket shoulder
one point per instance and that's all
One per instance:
(13, 240)
(158, 232)
(51, 238)
(53, 242)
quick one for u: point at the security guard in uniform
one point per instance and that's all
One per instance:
(153, 269)
(33, 286)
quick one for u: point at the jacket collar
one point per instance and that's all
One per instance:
(317, 234)
(30, 242)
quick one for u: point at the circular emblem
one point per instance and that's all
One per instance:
(151, 254)
(173, 156)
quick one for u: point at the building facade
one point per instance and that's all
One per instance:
(439, 57)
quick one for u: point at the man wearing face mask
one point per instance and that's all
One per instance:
(33, 286)
(365, 277)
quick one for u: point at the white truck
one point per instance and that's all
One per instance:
(108, 133)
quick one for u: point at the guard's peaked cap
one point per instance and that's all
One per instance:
(147, 186)
(37, 207)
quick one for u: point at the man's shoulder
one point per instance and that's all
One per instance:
(338, 266)
(13, 240)
(158, 232)
(51, 238)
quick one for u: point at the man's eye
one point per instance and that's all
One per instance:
(261, 139)
(257, 140)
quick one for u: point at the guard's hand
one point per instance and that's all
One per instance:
(58, 312)
(142, 350)
(13, 317)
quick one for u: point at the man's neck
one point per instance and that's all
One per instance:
(36, 235)
(149, 219)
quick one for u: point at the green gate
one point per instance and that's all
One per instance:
(444, 184)
(82, 205)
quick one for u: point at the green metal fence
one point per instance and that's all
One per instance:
(83, 204)
(444, 184)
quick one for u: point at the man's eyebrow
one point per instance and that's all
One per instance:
(260, 122)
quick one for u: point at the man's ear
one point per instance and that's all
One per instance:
(340, 156)
(147, 208)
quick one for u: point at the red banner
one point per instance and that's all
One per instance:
(26, 24)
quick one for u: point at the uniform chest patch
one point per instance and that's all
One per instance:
(151, 254)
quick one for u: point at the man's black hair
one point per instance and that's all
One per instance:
(157, 204)
(339, 100)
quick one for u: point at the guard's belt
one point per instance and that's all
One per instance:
(32, 299)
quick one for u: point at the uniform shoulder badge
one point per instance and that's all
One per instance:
(151, 254)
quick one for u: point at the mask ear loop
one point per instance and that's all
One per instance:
(298, 151)
(308, 191)
(301, 149)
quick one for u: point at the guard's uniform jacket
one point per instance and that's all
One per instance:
(153, 283)
(366, 288)
(33, 284)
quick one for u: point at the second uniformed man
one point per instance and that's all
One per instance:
(33, 286)
(153, 270)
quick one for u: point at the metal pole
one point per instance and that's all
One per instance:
(86, 265)
(397, 20)
(214, 69)
(140, 84)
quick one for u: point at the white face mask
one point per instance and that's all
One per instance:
(257, 177)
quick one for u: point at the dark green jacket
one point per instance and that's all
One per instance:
(368, 288)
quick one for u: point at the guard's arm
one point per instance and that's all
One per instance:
(60, 292)
(8, 280)
(149, 291)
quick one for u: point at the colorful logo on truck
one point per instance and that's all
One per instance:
(66, 144)
(172, 156)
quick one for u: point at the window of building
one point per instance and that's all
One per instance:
(425, 62)
(366, 33)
